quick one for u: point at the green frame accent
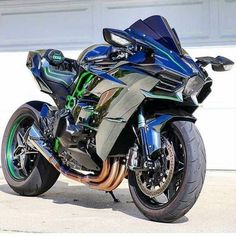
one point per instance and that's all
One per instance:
(57, 145)
(78, 92)
(70, 102)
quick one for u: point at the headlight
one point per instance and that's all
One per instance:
(193, 86)
(119, 40)
(227, 67)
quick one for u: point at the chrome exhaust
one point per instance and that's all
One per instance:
(35, 139)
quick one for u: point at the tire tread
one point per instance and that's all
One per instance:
(196, 169)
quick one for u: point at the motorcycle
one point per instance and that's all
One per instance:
(123, 109)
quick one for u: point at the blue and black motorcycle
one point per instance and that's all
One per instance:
(122, 110)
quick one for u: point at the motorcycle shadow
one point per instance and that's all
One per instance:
(82, 196)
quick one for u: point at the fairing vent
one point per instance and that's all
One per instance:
(206, 90)
(168, 83)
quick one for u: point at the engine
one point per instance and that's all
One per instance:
(72, 141)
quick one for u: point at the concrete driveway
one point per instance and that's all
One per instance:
(72, 207)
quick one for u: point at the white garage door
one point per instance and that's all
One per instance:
(205, 27)
(71, 24)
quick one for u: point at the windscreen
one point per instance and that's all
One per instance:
(158, 28)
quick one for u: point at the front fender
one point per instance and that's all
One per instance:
(154, 127)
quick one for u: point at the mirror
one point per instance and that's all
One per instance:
(118, 38)
(223, 64)
(218, 63)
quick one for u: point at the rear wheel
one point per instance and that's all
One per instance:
(26, 171)
(169, 193)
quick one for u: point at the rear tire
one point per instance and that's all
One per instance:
(191, 183)
(42, 175)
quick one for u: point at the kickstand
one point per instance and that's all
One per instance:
(113, 196)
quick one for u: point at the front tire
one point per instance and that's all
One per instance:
(178, 199)
(26, 171)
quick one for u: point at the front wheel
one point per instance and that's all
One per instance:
(169, 193)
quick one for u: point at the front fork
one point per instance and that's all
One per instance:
(143, 135)
(150, 141)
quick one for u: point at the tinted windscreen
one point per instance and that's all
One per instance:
(158, 28)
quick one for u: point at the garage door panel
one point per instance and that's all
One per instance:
(227, 18)
(176, 12)
(43, 22)
(50, 26)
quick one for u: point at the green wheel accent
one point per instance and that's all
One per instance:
(9, 154)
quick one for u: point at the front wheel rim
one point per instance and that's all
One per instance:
(171, 192)
(156, 190)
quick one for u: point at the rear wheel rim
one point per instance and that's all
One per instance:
(20, 157)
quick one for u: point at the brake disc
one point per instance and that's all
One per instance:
(154, 191)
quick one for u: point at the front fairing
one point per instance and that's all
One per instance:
(166, 58)
(124, 86)
(117, 104)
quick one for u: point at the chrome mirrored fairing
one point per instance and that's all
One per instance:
(119, 110)
(152, 70)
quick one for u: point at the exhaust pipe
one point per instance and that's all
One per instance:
(112, 176)
(36, 140)
(108, 179)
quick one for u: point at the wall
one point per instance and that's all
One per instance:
(204, 27)
(27, 24)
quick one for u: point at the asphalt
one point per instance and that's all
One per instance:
(72, 207)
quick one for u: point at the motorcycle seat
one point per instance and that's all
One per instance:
(53, 74)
